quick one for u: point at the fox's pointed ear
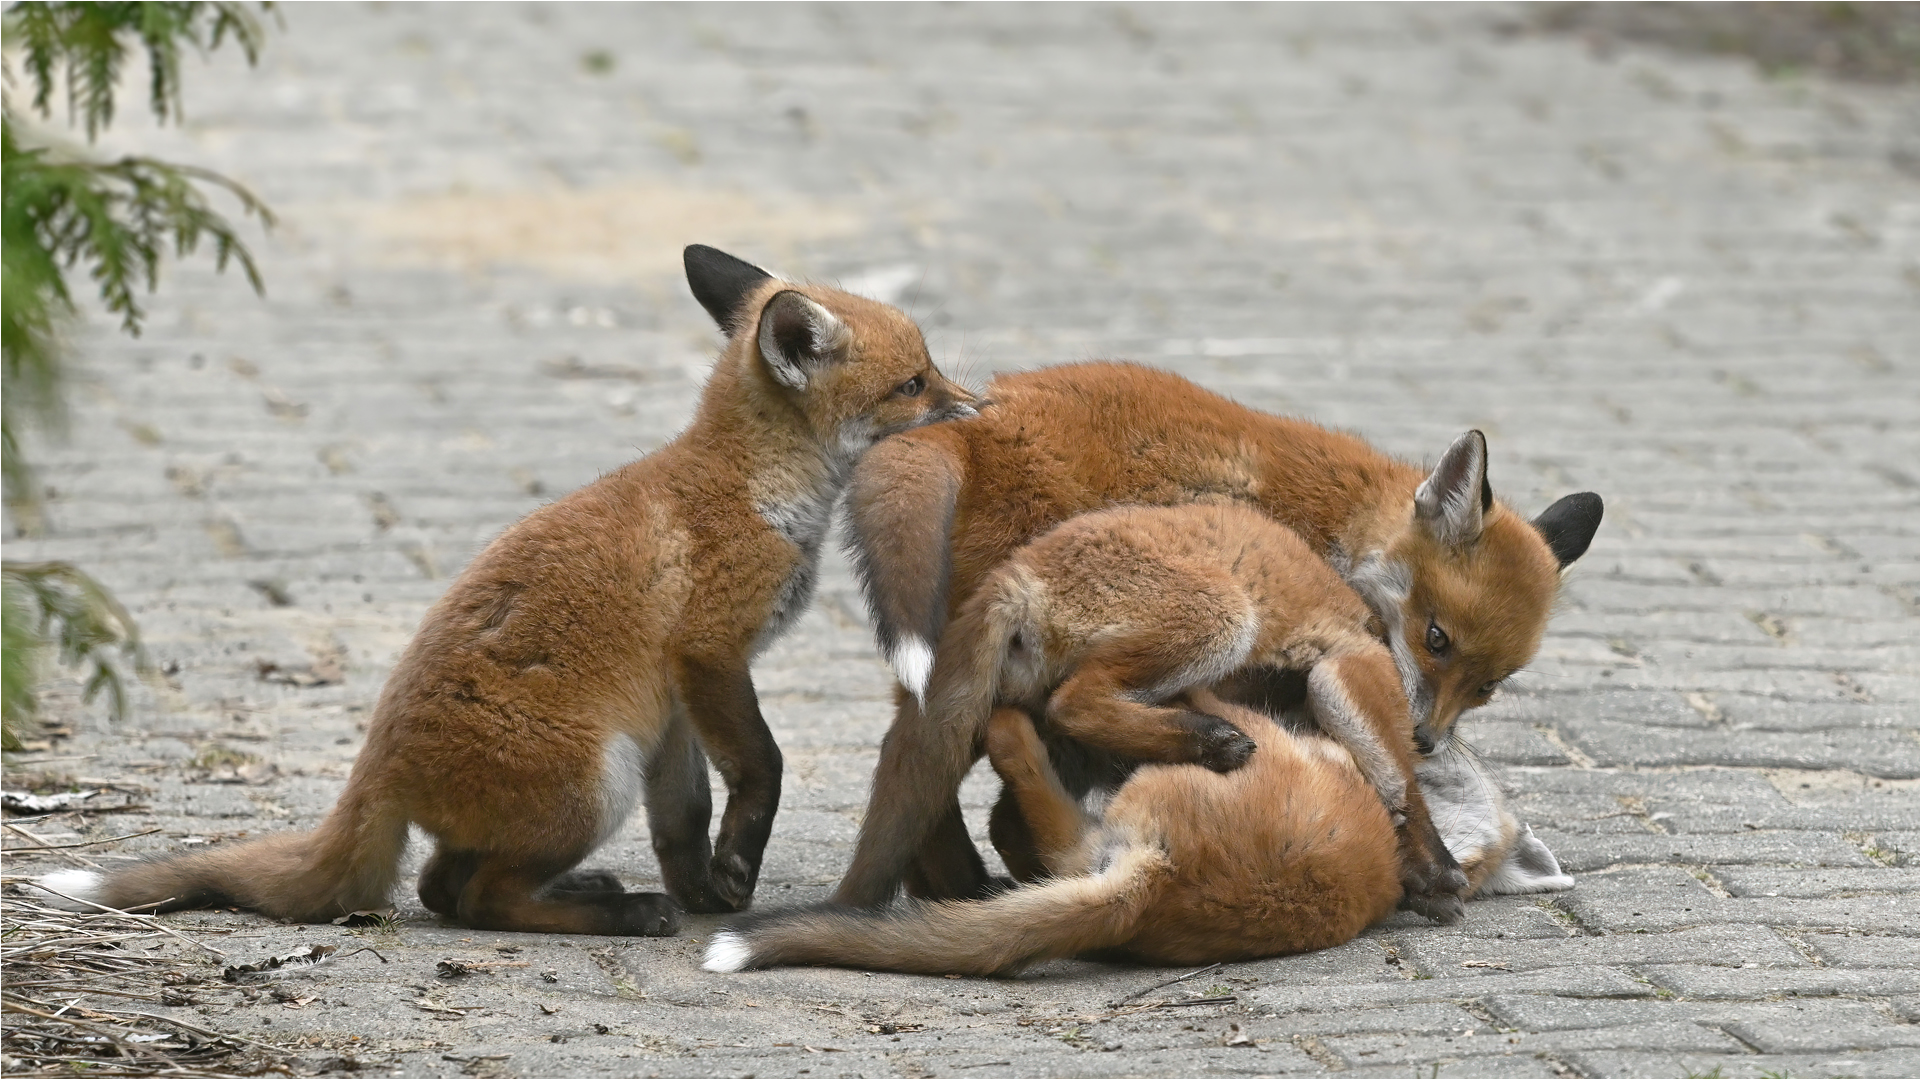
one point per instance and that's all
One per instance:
(720, 282)
(798, 338)
(1455, 498)
(1569, 525)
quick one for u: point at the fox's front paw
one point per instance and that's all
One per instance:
(733, 882)
(1445, 908)
(1220, 745)
(648, 915)
(1433, 890)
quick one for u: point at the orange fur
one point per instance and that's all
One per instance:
(1289, 854)
(1105, 620)
(934, 511)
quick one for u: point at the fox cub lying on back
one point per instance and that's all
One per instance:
(1183, 865)
(597, 652)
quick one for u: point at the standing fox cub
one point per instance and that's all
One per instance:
(1461, 583)
(1289, 854)
(590, 655)
(1109, 615)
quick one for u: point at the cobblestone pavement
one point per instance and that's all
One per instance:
(1663, 277)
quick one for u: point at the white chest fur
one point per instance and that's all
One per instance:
(802, 518)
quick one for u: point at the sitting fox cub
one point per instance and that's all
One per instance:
(1462, 583)
(1104, 620)
(1184, 865)
(588, 657)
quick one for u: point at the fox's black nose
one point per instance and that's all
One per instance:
(1422, 743)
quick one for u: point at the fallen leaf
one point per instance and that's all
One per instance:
(21, 802)
(306, 954)
(369, 917)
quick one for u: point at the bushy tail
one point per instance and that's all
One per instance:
(900, 509)
(998, 936)
(348, 864)
(991, 641)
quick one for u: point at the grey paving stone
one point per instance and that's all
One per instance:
(1891, 1063)
(1767, 881)
(1571, 981)
(1578, 852)
(1704, 982)
(1432, 1018)
(1827, 1026)
(1446, 958)
(1795, 1026)
(1653, 899)
(1866, 950)
(1673, 1036)
(1611, 742)
(1480, 1065)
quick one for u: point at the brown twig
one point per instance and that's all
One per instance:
(1179, 978)
(87, 843)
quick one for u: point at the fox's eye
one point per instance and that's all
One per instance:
(1487, 689)
(1436, 638)
(912, 387)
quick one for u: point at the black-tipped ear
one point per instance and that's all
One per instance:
(1568, 526)
(1453, 501)
(798, 338)
(720, 282)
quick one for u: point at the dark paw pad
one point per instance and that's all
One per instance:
(1220, 745)
(648, 915)
(1446, 910)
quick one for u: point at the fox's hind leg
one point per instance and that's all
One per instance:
(445, 875)
(1053, 821)
(1356, 697)
(1101, 705)
(587, 881)
(511, 892)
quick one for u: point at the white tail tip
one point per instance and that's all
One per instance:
(63, 888)
(913, 662)
(728, 952)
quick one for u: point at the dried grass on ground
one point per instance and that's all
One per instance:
(80, 992)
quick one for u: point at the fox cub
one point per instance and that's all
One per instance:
(1105, 619)
(596, 653)
(1461, 584)
(1291, 853)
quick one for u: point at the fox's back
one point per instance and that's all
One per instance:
(1065, 440)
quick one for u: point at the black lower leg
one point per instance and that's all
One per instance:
(724, 712)
(444, 878)
(1007, 827)
(679, 807)
(947, 866)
